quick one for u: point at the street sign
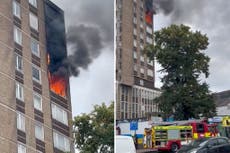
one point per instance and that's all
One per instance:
(133, 125)
(217, 119)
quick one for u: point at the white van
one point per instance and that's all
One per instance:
(124, 144)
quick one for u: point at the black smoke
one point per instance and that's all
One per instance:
(89, 30)
(85, 43)
(160, 6)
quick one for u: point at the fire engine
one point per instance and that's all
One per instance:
(201, 128)
(172, 136)
(167, 138)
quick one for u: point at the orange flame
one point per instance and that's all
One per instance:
(58, 84)
(149, 18)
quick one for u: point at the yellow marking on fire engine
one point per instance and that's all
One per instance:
(207, 134)
(195, 135)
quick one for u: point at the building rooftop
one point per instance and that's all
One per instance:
(222, 98)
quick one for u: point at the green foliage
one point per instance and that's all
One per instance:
(179, 51)
(94, 132)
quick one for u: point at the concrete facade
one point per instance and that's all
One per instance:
(10, 135)
(135, 74)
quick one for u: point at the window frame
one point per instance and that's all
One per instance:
(16, 9)
(150, 72)
(21, 122)
(19, 95)
(134, 54)
(17, 63)
(38, 95)
(142, 70)
(20, 145)
(32, 18)
(17, 35)
(35, 42)
(42, 134)
(34, 3)
(57, 144)
(54, 109)
(39, 72)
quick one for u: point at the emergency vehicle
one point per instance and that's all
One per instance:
(167, 138)
(201, 128)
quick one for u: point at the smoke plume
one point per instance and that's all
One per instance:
(85, 44)
(160, 6)
(89, 27)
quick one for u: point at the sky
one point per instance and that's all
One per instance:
(211, 18)
(95, 82)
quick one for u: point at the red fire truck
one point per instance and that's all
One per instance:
(171, 137)
(201, 128)
(167, 138)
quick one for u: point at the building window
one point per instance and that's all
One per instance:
(20, 122)
(135, 31)
(142, 58)
(135, 55)
(142, 5)
(135, 20)
(150, 62)
(141, 46)
(134, 9)
(33, 21)
(149, 30)
(17, 35)
(21, 148)
(37, 102)
(18, 63)
(141, 36)
(142, 71)
(19, 91)
(141, 25)
(35, 47)
(135, 67)
(61, 142)
(59, 114)
(134, 43)
(150, 72)
(149, 40)
(33, 2)
(39, 132)
(36, 73)
(16, 9)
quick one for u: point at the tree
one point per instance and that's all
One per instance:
(179, 51)
(94, 132)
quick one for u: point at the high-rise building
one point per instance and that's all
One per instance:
(135, 91)
(35, 107)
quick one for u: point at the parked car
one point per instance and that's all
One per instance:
(207, 145)
(124, 144)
